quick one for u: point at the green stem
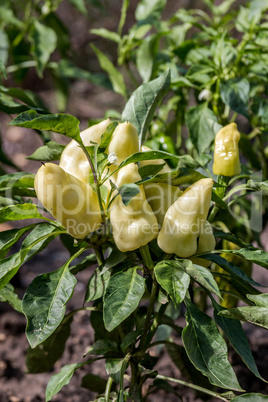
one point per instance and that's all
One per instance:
(193, 386)
(95, 178)
(156, 323)
(146, 256)
(108, 389)
(99, 255)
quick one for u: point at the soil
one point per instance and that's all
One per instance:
(16, 385)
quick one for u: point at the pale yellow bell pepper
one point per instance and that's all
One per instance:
(184, 219)
(226, 152)
(134, 225)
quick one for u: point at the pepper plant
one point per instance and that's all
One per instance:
(157, 235)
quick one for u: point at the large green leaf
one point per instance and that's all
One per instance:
(253, 314)
(173, 278)
(42, 358)
(207, 349)
(122, 297)
(44, 303)
(237, 337)
(7, 294)
(44, 44)
(115, 76)
(59, 123)
(149, 9)
(235, 94)
(142, 104)
(202, 125)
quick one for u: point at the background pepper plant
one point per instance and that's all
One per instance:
(192, 76)
(124, 282)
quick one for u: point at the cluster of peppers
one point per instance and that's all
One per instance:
(178, 219)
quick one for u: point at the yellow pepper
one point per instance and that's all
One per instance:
(124, 142)
(184, 219)
(134, 225)
(206, 242)
(226, 152)
(72, 202)
(73, 159)
(159, 195)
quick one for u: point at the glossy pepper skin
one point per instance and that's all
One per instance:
(206, 242)
(226, 152)
(159, 195)
(184, 219)
(73, 159)
(124, 142)
(133, 225)
(72, 202)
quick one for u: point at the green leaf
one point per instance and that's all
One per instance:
(202, 276)
(7, 294)
(49, 152)
(261, 186)
(202, 125)
(113, 368)
(19, 212)
(103, 347)
(3, 69)
(19, 179)
(31, 245)
(149, 9)
(85, 263)
(59, 123)
(106, 34)
(146, 56)
(42, 358)
(141, 106)
(10, 237)
(122, 297)
(97, 284)
(115, 76)
(235, 94)
(260, 300)
(250, 398)
(253, 314)
(173, 278)
(94, 383)
(44, 44)
(207, 350)
(128, 191)
(44, 303)
(230, 267)
(237, 337)
(150, 170)
(258, 256)
(80, 5)
(58, 381)
(106, 137)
